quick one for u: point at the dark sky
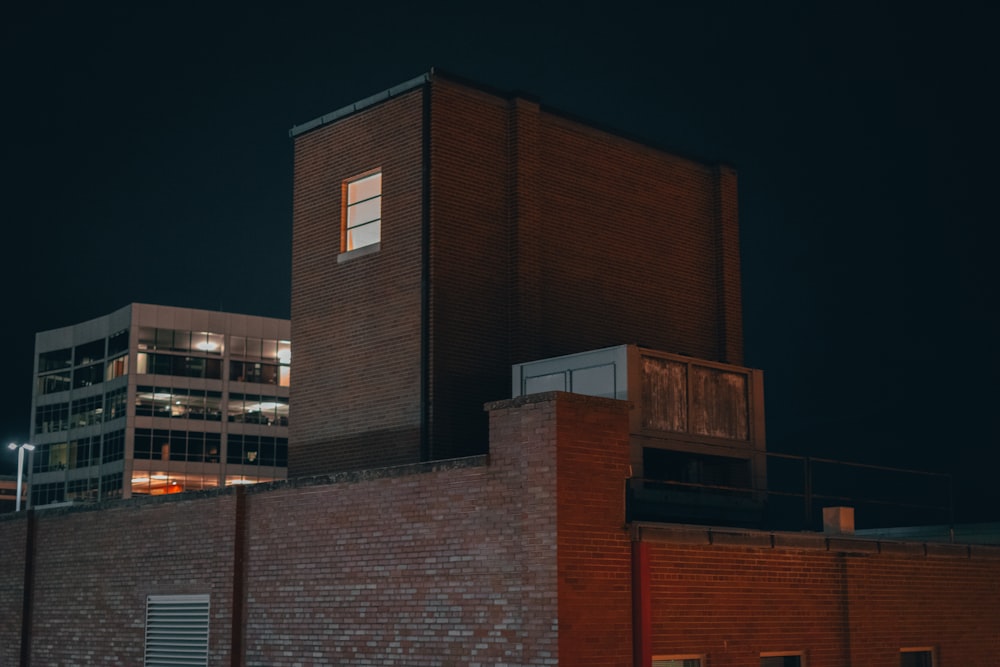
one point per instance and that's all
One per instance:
(147, 158)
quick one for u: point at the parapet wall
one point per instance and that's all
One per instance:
(521, 557)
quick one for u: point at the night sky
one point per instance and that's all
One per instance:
(146, 158)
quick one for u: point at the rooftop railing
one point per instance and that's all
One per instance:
(798, 489)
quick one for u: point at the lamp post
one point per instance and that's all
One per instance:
(20, 469)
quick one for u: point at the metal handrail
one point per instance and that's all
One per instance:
(809, 495)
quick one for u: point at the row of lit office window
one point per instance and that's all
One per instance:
(170, 340)
(164, 364)
(198, 447)
(162, 445)
(175, 403)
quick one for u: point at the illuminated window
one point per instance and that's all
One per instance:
(781, 660)
(916, 657)
(117, 367)
(362, 223)
(678, 660)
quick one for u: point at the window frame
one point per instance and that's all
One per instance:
(801, 655)
(919, 649)
(345, 208)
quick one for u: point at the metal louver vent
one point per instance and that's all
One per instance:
(176, 630)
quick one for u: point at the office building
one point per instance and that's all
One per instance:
(151, 399)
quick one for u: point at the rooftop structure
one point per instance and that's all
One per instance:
(444, 231)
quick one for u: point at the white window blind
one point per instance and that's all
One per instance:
(176, 630)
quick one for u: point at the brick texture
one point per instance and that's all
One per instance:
(357, 323)
(93, 571)
(839, 608)
(13, 534)
(518, 558)
(595, 583)
(543, 236)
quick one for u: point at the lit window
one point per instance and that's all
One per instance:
(781, 660)
(916, 657)
(362, 223)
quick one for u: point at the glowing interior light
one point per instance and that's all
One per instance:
(207, 346)
(140, 480)
(159, 477)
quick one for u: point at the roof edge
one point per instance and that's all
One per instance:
(371, 100)
(438, 73)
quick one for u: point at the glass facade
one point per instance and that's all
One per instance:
(152, 409)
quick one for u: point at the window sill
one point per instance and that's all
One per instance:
(358, 252)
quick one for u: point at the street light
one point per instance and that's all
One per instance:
(20, 468)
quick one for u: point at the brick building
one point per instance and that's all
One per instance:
(444, 235)
(523, 557)
(443, 232)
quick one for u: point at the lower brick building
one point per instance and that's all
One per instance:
(523, 556)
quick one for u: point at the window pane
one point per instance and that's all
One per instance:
(164, 339)
(285, 351)
(364, 212)
(55, 360)
(364, 188)
(359, 237)
(147, 338)
(88, 353)
(238, 346)
(118, 342)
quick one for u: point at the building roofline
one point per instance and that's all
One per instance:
(371, 100)
(436, 73)
(670, 533)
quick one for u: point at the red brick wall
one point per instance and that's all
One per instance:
(93, 571)
(357, 324)
(951, 603)
(595, 584)
(440, 564)
(469, 265)
(518, 558)
(732, 602)
(546, 237)
(627, 242)
(13, 532)
(448, 564)
(550, 237)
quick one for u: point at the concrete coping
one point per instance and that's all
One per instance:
(549, 396)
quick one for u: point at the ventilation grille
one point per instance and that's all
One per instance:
(176, 630)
